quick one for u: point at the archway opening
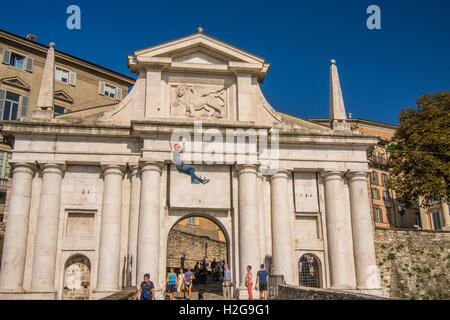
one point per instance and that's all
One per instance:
(309, 271)
(77, 278)
(200, 243)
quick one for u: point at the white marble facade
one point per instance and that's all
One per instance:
(102, 186)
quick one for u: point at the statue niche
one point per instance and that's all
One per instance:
(196, 101)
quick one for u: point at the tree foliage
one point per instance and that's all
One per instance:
(420, 154)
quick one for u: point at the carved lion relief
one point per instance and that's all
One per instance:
(196, 101)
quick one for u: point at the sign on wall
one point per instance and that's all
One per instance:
(305, 192)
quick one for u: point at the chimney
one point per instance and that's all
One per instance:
(31, 37)
(349, 115)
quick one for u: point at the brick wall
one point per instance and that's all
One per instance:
(193, 246)
(414, 264)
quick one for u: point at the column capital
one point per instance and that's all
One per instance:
(112, 168)
(281, 173)
(52, 166)
(357, 175)
(151, 165)
(134, 168)
(26, 167)
(247, 168)
(332, 174)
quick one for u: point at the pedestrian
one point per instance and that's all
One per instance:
(171, 283)
(189, 277)
(181, 167)
(248, 282)
(181, 283)
(183, 258)
(227, 283)
(217, 272)
(202, 277)
(146, 290)
(263, 277)
(213, 268)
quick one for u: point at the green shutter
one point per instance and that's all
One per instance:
(24, 107)
(2, 102)
(29, 64)
(6, 56)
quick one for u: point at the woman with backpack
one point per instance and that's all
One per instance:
(147, 289)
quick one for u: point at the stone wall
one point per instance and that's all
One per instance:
(287, 292)
(193, 246)
(414, 264)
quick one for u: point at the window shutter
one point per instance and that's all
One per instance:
(119, 94)
(6, 56)
(72, 78)
(2, 102)
(101, 88)
(24, 107)
(29, 64)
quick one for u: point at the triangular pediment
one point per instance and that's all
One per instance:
(16, 82)
(199, 52)
(198, 40)
(62, 95)
(198, 57)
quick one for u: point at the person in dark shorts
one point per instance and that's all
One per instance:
(202, 277)
(171, 283)
(188, 282)
(146, 290)
(262, 278)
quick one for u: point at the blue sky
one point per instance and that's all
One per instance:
(381, 71)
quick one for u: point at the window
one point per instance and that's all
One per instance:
(110, 91)
(402, 218)
(389, 215)
(384, 179)
(417, 221)
(436, 219)
(375, 178)
(59, 110)
(61, 75)
(377, 214)
(375, 193)
(11, 106)
(192, 221)
(16, 61)
(386, 195)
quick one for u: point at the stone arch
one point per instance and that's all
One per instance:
(77, 277)
(309, 271)
(210, 218)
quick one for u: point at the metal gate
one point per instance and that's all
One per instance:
(274, 282)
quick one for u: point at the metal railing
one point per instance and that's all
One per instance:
(272, 286)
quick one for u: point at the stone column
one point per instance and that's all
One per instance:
(15, 241)
(423, 215)
(109, 251)
(149, 225)
(338, 231)
(445, 216)
(248, 219)
(362, 229)
(261, 218)
(43, 277)
(133, 222)
(282, 241)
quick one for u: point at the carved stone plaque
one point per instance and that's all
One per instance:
(305, 192)
(198, 101)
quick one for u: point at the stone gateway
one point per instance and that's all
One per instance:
(90, 189)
